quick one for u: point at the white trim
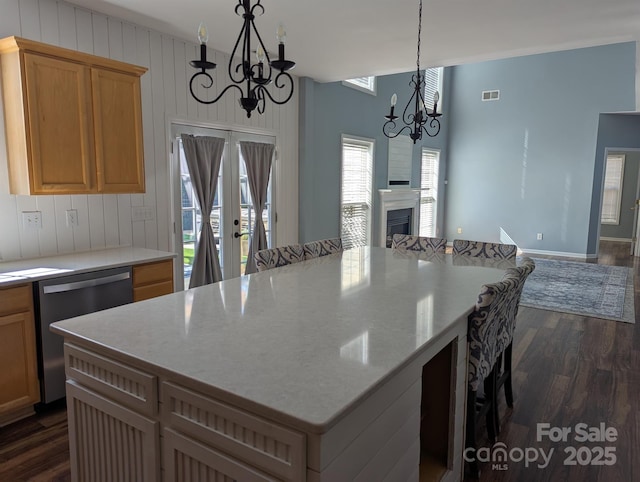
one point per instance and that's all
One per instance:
(391, 199)
(621, 240)
(637, 76)
(563, 254)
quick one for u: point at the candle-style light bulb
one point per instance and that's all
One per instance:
(281, 34)
(203, 33)
(260, 54)
(436, 98)
(394, 99)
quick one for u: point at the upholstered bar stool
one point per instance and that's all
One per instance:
(408, 242)
(520, 273)
(323, 247)
(484, 328)
(276, 257)
(480, 249)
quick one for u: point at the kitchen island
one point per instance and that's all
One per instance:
(347, 367)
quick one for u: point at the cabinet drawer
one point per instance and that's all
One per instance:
(16, 299)
(204, 462)
(261, 443)
(153, 290)
(144, 274)
(128, 386)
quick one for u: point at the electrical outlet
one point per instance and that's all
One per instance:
(32, 219)
(539, 237)
(459, 230)
(72, 217)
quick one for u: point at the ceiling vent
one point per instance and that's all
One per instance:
(490, 95)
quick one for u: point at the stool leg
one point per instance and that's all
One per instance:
(490, 393)
(508, 388)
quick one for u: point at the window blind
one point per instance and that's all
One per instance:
(356, 192)
(433, 83)
(429, 170)
(612, 196)
(366, 83)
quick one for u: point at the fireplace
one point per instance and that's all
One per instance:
(399, 213)
(398, 222)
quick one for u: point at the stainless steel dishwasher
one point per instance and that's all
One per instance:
(66, 297)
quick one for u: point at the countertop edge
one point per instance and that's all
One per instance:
(150, 255)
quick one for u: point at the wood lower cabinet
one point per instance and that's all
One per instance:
(152, 279)
(73, 121)
(19, 388)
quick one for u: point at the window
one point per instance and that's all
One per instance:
(433, 83)
(356, 192)
(365, 84)
(612, 195)
(430, 166)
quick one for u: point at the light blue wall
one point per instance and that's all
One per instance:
(526, 163)
(327, 111)
(615, 132)
(624, 229)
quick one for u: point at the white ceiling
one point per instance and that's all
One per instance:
(337, 39)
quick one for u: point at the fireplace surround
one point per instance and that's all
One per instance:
(397, 204)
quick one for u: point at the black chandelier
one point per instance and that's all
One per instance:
(416, 116)
(257, 76)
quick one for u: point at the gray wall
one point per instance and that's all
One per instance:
(615, 132)
(526, 163)
(624, 229)
(326, 112)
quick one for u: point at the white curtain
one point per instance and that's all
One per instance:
(204, 156)
(257, 157)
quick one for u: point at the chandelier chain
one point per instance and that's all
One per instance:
(419, 35)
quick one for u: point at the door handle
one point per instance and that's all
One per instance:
(238, 235)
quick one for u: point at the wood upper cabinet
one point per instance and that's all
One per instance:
(19, 387)
(73, 121)
(118, 131)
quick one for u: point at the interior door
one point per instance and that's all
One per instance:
(232, 214)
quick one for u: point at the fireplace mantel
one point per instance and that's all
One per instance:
(392, 199)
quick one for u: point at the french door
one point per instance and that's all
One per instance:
(232, 215)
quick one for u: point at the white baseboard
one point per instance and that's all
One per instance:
(620, 240)
(559, 253)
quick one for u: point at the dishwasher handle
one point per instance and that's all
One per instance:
(77, 285)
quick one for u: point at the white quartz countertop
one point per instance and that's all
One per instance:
(301, 343)
(19, 271)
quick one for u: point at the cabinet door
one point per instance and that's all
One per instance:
(109, 442)
(18, 376)
(59, 116)
(118, 131)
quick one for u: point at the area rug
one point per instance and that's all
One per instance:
(587, 289)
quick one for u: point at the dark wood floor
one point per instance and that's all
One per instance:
(568, 370)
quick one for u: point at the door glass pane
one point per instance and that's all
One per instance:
(247, 213)
(192, 217)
